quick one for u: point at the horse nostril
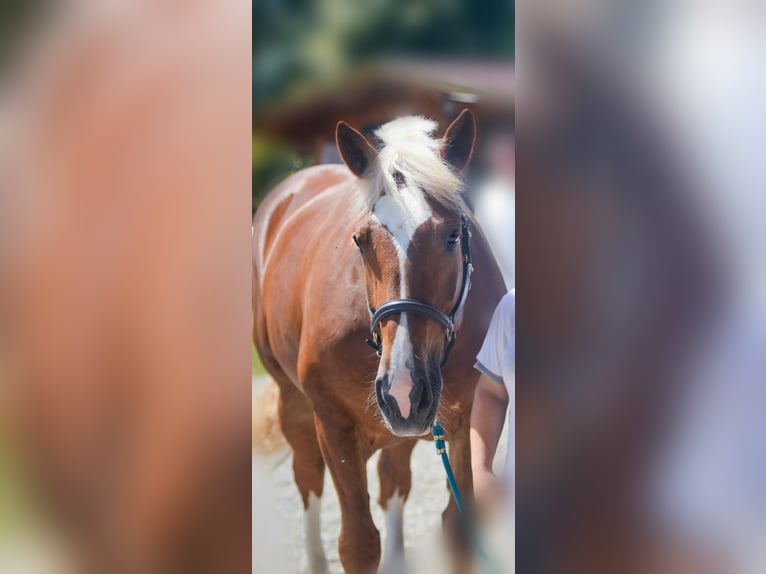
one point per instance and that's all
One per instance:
(416, 394)
(426, 396)
(421, 391)
(380, 388)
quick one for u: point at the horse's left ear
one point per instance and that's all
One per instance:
(457, 144)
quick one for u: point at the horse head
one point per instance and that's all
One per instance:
(414, 243)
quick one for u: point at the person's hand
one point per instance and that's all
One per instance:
(488, 493)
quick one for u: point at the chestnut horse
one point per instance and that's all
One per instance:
(387, 242)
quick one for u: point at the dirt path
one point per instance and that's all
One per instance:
(422, 518)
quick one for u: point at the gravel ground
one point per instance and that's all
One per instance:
(422, 516)
(278, 514)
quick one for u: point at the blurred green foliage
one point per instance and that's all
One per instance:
(271, 163)
(299, 42)
(17, 513)
(16, 19)
(257, 367)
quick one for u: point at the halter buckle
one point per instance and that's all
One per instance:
(374, 343)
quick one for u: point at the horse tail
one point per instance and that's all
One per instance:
(268, 440)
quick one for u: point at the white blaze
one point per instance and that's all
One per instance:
(401, 216)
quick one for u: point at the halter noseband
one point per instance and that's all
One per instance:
(429, 311)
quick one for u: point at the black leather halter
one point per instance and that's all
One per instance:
(414, 306)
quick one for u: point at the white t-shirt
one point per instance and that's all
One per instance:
(497, 360)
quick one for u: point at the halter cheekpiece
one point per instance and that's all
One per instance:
(429, 311)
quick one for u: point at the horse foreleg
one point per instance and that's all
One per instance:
(359, 542)
(296, 415)
(454, 531)
(395, 483)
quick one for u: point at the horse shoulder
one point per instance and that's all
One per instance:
(308, 279)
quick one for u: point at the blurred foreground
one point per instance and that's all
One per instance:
(124, 234)
(641, 285)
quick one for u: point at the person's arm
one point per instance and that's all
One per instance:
(487, 418)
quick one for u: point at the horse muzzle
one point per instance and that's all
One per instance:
(408, 401)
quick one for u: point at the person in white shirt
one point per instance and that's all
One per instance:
(495, 204)
(494, 402)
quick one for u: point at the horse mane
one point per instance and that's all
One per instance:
(409, 147)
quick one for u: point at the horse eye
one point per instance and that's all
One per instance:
(356, 240)
(453, 239)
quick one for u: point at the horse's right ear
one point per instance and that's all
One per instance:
(457, 144)
(356, 151)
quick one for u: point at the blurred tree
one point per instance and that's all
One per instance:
(297, 42)
(271, 163)
(16, 19)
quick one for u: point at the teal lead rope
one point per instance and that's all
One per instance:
(468, 526)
